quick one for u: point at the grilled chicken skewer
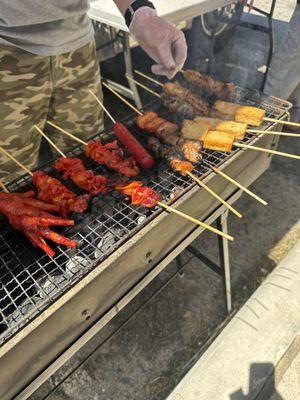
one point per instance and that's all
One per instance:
(208, 84)
(214, 141)
(109, 154)
(226, 110)
(166, 131)
(146, 197)
(216, 170)
(33, 218)
(52, 191)
(74, 169)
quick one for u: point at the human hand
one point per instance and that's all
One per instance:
(164, 43)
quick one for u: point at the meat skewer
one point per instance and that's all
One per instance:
(140, 200)
(109, 154)
(128, 140)
(32, 217)
(135, 189)
(208, 84)
(221, 109)
(165, 131)
(224, 141)
(74, 169)
(52, 191)
(155, 144)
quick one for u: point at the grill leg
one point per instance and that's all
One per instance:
(224, 259)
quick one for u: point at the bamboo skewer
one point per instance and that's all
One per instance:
(103, 107)
(143, 86)
(246, 190)
(4, 188)
(204, 186)
(16, 161)
(122, 98)
(273, 133)
(278, 153)
(196, 221)
(243, 188)
(149, 78)
(50, 141)
(66, 133)
(279, 121)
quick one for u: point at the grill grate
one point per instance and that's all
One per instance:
(30, 280)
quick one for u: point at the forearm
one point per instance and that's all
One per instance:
(123, 5)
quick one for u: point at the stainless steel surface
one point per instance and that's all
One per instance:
(56, 296)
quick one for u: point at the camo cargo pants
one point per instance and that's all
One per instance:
(34, 89)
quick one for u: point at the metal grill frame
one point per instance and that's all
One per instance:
(62, 321)
(26, 283)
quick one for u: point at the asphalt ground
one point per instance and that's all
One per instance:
(146, 357)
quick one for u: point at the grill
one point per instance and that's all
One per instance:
(31, 281)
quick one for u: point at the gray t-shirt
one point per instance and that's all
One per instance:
(45, 27)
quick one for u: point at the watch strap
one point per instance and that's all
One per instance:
(129, 13)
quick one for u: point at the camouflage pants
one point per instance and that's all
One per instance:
(34, 89)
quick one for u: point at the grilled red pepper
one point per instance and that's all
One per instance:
(140, 154)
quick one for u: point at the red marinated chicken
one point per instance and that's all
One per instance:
(53, 191)
(31, 217)
(74, 169)
(139, 194)
(111, 155)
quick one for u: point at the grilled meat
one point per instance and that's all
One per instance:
(111, 155)
(53, 191)
(177, 105)
(28, 215)
(74, 169)
(208, 84)
(200, 106)
(174, 158)
(139, 194)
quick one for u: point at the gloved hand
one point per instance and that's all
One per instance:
(160, 40)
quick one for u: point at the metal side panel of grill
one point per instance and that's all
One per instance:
(38, 344)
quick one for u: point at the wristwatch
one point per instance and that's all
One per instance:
(129, 13)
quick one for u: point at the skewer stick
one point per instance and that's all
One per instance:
(273, 133)
(204, 186)
(103, 107)
(50, 141)
(243, 188)
(16, 161)
(143, 86)
(196, 221)
(279, 121)
(4, 188)
(122, 98)
(149, 78)
(278, 153)
(66, 133)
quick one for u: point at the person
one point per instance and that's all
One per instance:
(283, 78)
(48, 64)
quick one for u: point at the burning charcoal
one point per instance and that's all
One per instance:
(107, 242)
(27, 307)
(76, 265)
(51, 285)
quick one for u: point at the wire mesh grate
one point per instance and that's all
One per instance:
(30, 280)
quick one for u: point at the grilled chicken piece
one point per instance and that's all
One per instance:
(142, 120)
(191, 150)
(207, 83)
(195, 129)
(177, 105)
(174, 158)
(175, 89)
(220, 141)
